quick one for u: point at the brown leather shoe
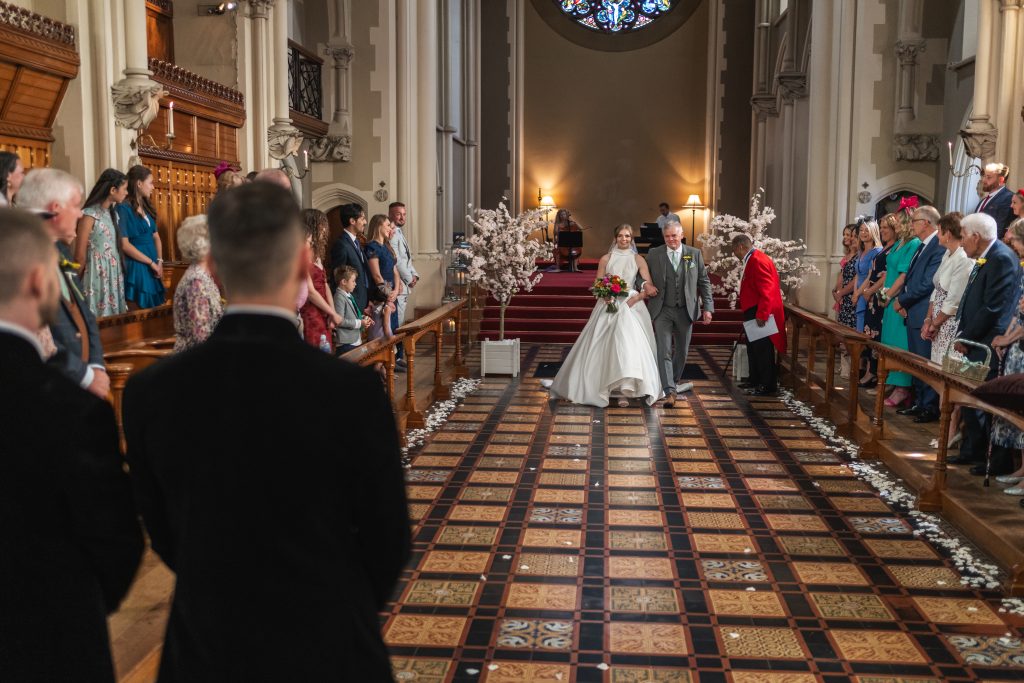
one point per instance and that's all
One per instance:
(670, 399)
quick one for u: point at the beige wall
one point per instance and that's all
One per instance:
(611, 134)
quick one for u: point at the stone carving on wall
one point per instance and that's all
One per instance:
(136, 103)
(283, 141)
(260, 9)
(792, 85)
(980, 144)
(916, 147)
(331, 148)
(765, 105)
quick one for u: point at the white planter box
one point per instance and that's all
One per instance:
(499, 357)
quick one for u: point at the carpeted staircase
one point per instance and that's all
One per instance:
(559, 306)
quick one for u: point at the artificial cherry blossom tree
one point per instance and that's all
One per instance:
(502, 257)
(784, 253)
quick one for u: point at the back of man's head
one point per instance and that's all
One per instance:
(255, 237)
(274, 176)
(980, 224)
(26, 247)
(43, 186)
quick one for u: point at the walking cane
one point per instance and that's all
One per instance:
(735, 343)
(988, 455)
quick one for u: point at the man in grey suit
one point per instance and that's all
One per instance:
(403, 255)
(677, 275)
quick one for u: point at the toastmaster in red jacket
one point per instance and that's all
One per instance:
(760, 298)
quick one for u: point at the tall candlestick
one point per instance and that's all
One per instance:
(170, 120)
(950, 143)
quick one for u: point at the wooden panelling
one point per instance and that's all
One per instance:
(37, 60)
(182, 189)
(160, 30)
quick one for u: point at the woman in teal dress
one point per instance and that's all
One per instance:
(140, 241)
(894, 325)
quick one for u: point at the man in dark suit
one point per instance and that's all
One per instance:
(912, 304)
(997, 202)
(57, 197)
(70, 540)
(286, 522)
(985, 311)
(347, 251)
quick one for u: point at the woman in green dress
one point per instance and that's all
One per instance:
(894, 325)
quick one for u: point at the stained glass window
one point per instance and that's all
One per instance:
(614, 16)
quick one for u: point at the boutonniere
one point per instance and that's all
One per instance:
(67, 265)
(688, 260)
(981, 262)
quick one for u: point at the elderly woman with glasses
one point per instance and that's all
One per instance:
(197, 303)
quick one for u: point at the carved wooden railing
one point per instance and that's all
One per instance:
(952, 390)
(432, 323)
(378, 351)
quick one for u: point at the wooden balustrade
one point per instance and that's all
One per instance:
(961, 505)
(432, 323)
(378, 351)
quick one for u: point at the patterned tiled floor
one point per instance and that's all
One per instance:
(718, 541)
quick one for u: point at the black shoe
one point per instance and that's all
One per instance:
(926, 417)
(979, 471)
(962, 460)
(764, 391)
(913, 410)
(744, 385)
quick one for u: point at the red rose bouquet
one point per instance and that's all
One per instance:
(610, 288)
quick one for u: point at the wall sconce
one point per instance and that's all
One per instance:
(973, 168)
(693, 205)
(141, 137)
(218, 9)
(293, 173)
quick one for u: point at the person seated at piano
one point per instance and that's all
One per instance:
(665, 217)
(564, 223)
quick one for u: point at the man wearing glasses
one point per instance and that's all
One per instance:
(912, 304)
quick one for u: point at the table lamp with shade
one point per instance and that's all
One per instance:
(693, 205)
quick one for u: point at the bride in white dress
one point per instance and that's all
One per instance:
(615, 353)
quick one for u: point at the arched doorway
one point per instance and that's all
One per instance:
(891, 202)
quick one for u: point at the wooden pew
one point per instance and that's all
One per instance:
(432, 323)
(378, 351)
(990, 519)
(136, 327)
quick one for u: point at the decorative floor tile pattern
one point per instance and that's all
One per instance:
(719, 541)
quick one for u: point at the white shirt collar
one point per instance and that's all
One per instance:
(996, 191)
(256, 309)
(987, 249)
(27, 335)
(676, 251)
(746, 257)
(929, 238)
(351, 236)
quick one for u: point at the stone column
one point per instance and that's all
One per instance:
(283, 138)
(426, 126)
(1009, 79)
(980, 134)
(337, 144)
(908, 46)
(405, 107)
(136, 97)
(262, 88)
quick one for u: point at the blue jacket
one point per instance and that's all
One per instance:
(999, 208)
(990, 299)
(918, 286)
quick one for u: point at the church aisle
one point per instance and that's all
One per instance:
(718, 541)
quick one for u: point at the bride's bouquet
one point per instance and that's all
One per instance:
(610, 288)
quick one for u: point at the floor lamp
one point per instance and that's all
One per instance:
(547, 203)
(693, 205)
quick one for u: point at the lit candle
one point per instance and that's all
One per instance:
(170, 120)
(950, 143)
(305, 154)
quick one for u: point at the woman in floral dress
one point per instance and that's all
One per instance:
(1009, 346)
(846, 282)
(96, 246)
(197, 302)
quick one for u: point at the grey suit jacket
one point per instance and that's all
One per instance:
(403, 255)
(67, 338)
(695, 278)
(350, 331)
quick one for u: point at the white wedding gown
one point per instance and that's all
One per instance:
(615, 353)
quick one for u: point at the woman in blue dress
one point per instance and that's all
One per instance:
(140, 242)
(386, 285)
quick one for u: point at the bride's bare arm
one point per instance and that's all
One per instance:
(641, 264)
(601, 266)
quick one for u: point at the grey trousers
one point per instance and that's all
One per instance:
(672, 324)
(401, 302)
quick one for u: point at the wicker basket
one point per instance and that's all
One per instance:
(972, 370)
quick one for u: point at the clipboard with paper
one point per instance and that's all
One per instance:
(755, 331)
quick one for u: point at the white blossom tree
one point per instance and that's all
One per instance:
(785, 253)
(502, 257)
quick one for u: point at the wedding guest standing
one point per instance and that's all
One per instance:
(347, 250)
(383, 269)
(761, 298)
(96, 245)
(69, 536)
(12, 173)
(1017, 204)
(282, 563)
(846, 282)
(949, 281)
(1007, 440)
(349, 333)
(400, 245)
(996, 202)
(869, 291)
(140, 242)
(894, 326)
(985, 311)
(318, 315)
(197, 307)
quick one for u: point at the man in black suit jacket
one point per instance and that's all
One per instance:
(997, 202)
(912, 304)
(70, 540)
(57, 197)
(286, 521)
(347, 251)
(985, 311)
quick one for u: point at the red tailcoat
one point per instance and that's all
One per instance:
(760, 287)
